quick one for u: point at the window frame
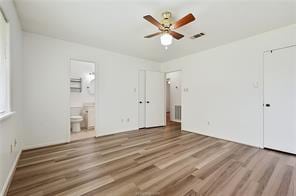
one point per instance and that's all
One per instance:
(6, 111)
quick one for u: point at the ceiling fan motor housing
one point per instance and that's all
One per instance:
(166, 15)
(166, 22)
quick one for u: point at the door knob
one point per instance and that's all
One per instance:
(140, 102)
(267, 105)
(148, 102)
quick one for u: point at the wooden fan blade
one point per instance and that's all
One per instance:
(176, 35)
(152, 20)
(183, 21)
(152, 35)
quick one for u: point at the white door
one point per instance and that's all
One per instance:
(155, 99)
(141, 100)
(280, 100)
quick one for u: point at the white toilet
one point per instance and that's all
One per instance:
(76, 119)
(75, 123)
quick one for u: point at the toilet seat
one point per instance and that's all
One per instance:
(76, 117)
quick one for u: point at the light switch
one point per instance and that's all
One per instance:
(256, 84)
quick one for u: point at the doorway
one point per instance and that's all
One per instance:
(280, 99)
(173, 98)
(82, 99)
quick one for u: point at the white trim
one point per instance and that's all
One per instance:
(96, 70)
(178, 121)
(106, 133)
(6, 115)
(263, 90)
(3, 14)
(263, 100)
(284, 47)
(31, 147)
(182, 87)
(224, 138)
(10, 174)
(6, 69)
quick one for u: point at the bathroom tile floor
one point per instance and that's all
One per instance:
(84, 133)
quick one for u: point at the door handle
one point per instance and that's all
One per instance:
(147, 101)
(140, 102)
(267, 105)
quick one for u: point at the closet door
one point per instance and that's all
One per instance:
(141, 99)
(280, 100)
(155, 99)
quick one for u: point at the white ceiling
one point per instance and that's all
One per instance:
(118, 25)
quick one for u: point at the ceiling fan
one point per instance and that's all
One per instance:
(167, 27)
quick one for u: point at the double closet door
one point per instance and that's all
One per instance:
(280, 99)
(151, 99)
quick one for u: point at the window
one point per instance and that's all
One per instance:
(4, 66)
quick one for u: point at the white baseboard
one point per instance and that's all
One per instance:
(174, 120)
(105, 133)
(10, 174)
(31, 147)
(224, 138)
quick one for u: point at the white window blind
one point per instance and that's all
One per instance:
(4, 65)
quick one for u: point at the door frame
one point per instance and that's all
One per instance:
(165, 97)
(143, 70)
(263, 87)
(96, 71)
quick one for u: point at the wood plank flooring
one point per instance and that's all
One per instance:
(158, 161)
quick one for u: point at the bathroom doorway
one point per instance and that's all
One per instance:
(82, 99)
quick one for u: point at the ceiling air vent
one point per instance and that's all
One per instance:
(197, 35)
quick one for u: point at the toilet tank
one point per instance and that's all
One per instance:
(75, 111)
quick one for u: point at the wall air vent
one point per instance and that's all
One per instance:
(178, 112)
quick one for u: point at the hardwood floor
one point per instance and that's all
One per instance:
(158, 161)
(83, 134)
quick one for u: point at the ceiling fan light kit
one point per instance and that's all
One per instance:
(166, 25)
(166, 39)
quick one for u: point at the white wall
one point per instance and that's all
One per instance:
(80, 69)
(224, 97)
(175, 92)
(12, 127)
(47, 95)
